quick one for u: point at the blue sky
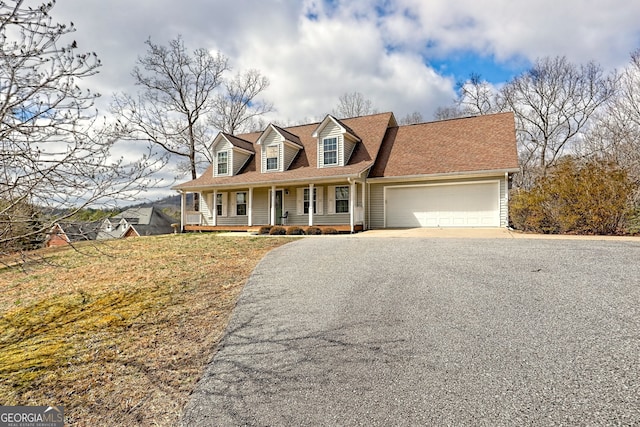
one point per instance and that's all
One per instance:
(460, 65)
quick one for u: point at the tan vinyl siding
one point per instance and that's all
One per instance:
(260, 206)
(504, 203)
(272, 139)
(206, 208)
(224, 145)
(376, 206)
(290, 153)
(239, 159)
(349, 146)
(332, 130)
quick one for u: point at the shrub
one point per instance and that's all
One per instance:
(277, 231)
(314, 231)
(591, 198)
(329, 231)
(295, 231)
(265, 229)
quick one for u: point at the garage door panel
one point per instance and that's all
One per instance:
(457, 205)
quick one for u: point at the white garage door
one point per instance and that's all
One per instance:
(456, 205)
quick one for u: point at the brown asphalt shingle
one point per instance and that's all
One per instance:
(484, 143)
(370, 129)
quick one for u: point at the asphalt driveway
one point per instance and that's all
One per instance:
(347, 330)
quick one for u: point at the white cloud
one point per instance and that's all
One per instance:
(313, 51)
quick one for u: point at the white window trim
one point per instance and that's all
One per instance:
(332, 201)
(218, 162)
(324, 152)
(319, 200)
(235, 203)
(223, 196)
(277, 157)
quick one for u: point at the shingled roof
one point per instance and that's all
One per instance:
(370, 129)
(472, 144)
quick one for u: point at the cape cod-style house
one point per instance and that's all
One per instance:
(359, 173)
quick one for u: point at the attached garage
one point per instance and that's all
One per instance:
(473, 204)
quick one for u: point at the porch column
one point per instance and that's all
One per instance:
(250, 208)
(311, 198)
(183, 210)
(215, 207)
(273, 205)
(352, 204)
(364, 219)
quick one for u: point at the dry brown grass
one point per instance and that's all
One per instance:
(120, 335)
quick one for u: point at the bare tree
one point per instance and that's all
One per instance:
(478, 97)
(447, 113)
(412, 118)
(178, 91)
(553, 102)
(615, 134)
(237, 109)
(475, 97)
(353, 104)
(55, 157)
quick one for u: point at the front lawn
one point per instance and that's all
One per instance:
(119, 332)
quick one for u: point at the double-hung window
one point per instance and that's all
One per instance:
(342, 199)
(272, 157)
(307, 202)
(330, 151)
(241, 203)
(219, 204)
(223, 163)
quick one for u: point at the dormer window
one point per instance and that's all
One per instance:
(330, 149)
(278, 148)
(272, 153)
(336, 142)
(223, 163)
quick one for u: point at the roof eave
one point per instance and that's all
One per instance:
(462, 174)
(197, 188)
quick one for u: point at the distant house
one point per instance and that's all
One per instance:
(359, 173)
(136, 222)
(64, 233)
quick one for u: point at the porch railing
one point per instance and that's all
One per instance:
(193, 218)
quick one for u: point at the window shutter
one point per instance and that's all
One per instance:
(234, 207)
(224, 204)
(331, 199)
(300, 201)
(319, 200)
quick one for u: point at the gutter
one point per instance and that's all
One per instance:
(435, 176)
(319, 180)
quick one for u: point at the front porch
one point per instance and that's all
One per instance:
(342, 228)
(337, 205)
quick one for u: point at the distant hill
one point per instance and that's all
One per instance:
(167, 202)
(170, 205)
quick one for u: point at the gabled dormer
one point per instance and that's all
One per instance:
(336, 142)
(230, 154)
(278, 148)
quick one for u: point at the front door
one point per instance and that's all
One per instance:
(279, 212)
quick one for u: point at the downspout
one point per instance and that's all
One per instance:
(506, 188)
